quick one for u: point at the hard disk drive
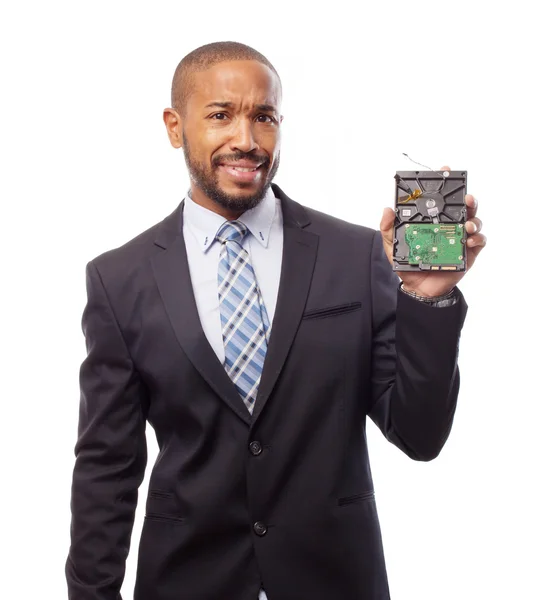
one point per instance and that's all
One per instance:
(429, 228)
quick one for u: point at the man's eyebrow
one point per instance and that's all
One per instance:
(219, 105)
(265, 107)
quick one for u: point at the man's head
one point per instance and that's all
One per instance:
(225, 114)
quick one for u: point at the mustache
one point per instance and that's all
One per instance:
(242, 156)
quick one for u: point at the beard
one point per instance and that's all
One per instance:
(207, 180)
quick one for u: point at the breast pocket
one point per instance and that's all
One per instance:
(355, 498)
(327, 337)
(329, 311)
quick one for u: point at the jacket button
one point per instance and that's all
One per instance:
(260, 528)
(256, 448)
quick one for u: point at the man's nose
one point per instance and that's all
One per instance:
(244, 136)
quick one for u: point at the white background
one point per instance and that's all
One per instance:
(86, 165)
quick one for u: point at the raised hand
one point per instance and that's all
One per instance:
(436, 283)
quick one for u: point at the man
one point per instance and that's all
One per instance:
(255, 335)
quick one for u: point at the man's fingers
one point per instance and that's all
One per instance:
(472, 255)
(473, 226)
(472, 206)
(478, 239)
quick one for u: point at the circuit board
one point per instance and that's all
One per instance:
(429, 228)
(434, 244)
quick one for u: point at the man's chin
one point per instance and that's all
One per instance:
(241, 190)
(238, 197)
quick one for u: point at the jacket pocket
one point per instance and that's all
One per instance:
(356, 498)
(160, 494)
(329, 311)
(161, 506)
(151, 516)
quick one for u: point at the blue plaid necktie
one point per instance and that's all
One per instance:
(244, 321)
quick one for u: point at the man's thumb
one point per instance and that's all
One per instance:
(387, 222)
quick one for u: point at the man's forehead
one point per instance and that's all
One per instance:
(236, 79)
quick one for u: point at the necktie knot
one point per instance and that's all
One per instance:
(232, 231)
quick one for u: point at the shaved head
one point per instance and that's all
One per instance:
(203, 58)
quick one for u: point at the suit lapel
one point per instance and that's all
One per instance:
(298, 261)
(172, 275)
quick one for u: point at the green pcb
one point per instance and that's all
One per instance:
(435, 243)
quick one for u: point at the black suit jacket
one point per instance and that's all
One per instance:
(284, 497)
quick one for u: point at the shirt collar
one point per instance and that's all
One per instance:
(204, 223)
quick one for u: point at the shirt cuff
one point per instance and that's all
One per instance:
(448, 299)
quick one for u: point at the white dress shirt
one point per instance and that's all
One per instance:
(263, 244)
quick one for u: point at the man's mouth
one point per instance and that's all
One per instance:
(242, 172)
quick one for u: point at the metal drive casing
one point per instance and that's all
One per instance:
(429, 227)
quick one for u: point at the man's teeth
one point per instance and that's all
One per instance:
(244, 168)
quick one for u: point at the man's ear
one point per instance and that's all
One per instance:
(172, 122)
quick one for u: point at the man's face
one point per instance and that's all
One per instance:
(232, 123)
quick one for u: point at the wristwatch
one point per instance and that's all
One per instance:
(444, 300)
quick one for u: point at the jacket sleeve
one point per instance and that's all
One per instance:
(110, 453)
(414, 381)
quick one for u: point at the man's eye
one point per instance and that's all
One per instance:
(269, 119)
(219, 114)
